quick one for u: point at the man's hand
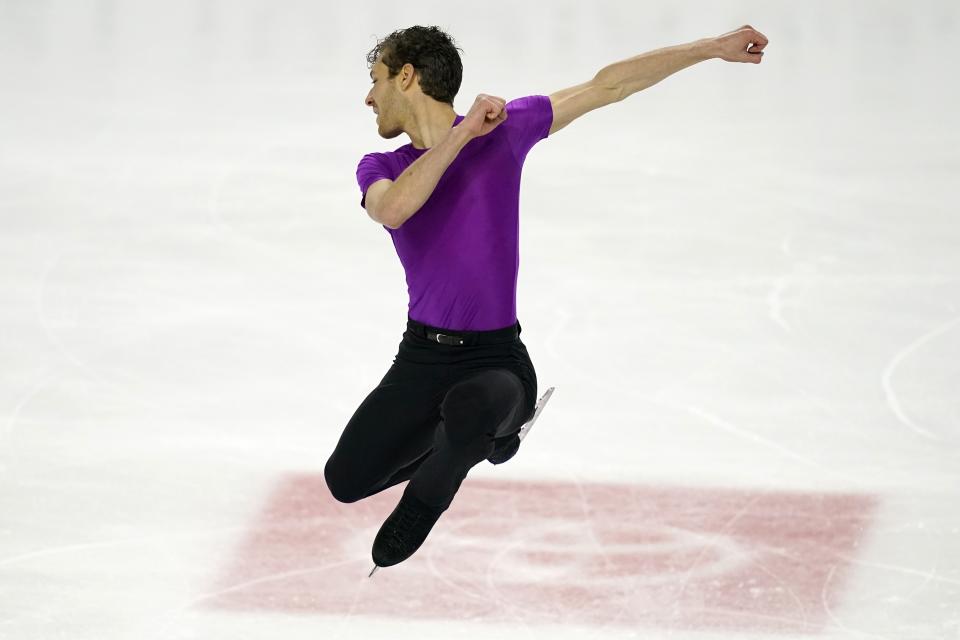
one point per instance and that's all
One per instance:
(486, 113)
(741, 45)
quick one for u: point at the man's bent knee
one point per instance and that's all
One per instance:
(340, 488)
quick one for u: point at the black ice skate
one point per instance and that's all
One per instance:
(507, 449)
(403, 531)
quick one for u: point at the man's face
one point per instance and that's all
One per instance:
(384, 100)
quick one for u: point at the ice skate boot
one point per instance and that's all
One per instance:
(403, 531)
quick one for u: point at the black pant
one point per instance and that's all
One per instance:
(439, 410)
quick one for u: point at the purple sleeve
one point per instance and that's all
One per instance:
(372, 167)
(528, 121)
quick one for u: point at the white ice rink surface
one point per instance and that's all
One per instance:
(744, 279)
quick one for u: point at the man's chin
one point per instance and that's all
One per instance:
(389, 134)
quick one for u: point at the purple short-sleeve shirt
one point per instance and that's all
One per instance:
(460, 250)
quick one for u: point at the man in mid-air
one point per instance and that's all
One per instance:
(462, 384)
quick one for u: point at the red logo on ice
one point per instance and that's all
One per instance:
(560, 553)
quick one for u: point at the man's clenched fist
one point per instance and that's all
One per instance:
(486, 113)
(741, 45)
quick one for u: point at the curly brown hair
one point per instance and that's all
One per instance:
(433, 55)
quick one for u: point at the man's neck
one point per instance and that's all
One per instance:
(429, 123)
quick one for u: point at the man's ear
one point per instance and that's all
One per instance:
(407, 73)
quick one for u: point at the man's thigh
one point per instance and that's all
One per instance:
(393, 427)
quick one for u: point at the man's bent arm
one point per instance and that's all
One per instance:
(647, 69)
(413, 187)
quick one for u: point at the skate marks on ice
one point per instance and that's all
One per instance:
(892, 397)
(558, 552)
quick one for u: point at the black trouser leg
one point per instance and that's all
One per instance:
(475, 411)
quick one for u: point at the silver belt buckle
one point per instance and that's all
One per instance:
(446, 336)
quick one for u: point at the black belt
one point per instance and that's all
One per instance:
(462, 338)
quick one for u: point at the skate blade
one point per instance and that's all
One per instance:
(541, 403)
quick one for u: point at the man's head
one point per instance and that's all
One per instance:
(411, 64)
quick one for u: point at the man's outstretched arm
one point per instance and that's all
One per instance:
(621, 79)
